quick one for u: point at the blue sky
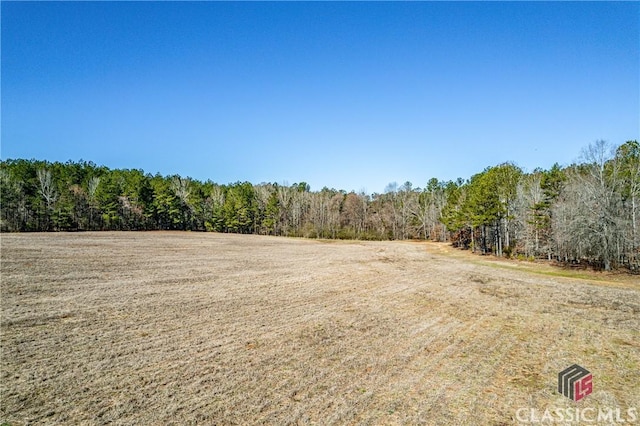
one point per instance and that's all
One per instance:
(345, 95)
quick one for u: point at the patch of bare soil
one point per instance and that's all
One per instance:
(185, 328)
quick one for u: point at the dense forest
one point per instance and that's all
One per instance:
(583, 213)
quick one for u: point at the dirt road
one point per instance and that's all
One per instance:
(185, 328)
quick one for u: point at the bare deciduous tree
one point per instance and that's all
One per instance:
(47, 188)
(527, 221)
(181, 187)
(628, 158)
(587, 217)
(92, 187)
(48, 192)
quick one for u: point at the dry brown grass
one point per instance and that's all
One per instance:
(185, 328)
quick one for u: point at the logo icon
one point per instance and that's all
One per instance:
(575, 382)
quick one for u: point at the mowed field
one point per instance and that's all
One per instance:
(185, 328)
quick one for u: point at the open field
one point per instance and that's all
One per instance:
(185, 328)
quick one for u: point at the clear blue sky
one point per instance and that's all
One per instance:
(344, 95)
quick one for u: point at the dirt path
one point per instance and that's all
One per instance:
(185, 328)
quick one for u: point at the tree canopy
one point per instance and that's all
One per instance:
(585, 212)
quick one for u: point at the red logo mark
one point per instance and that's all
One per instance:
(583, 387)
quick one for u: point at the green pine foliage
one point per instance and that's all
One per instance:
(583, 213)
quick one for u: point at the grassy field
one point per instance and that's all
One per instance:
(185, 328)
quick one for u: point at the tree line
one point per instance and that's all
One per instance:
(586, 212)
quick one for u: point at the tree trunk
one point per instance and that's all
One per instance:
(634, 229)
